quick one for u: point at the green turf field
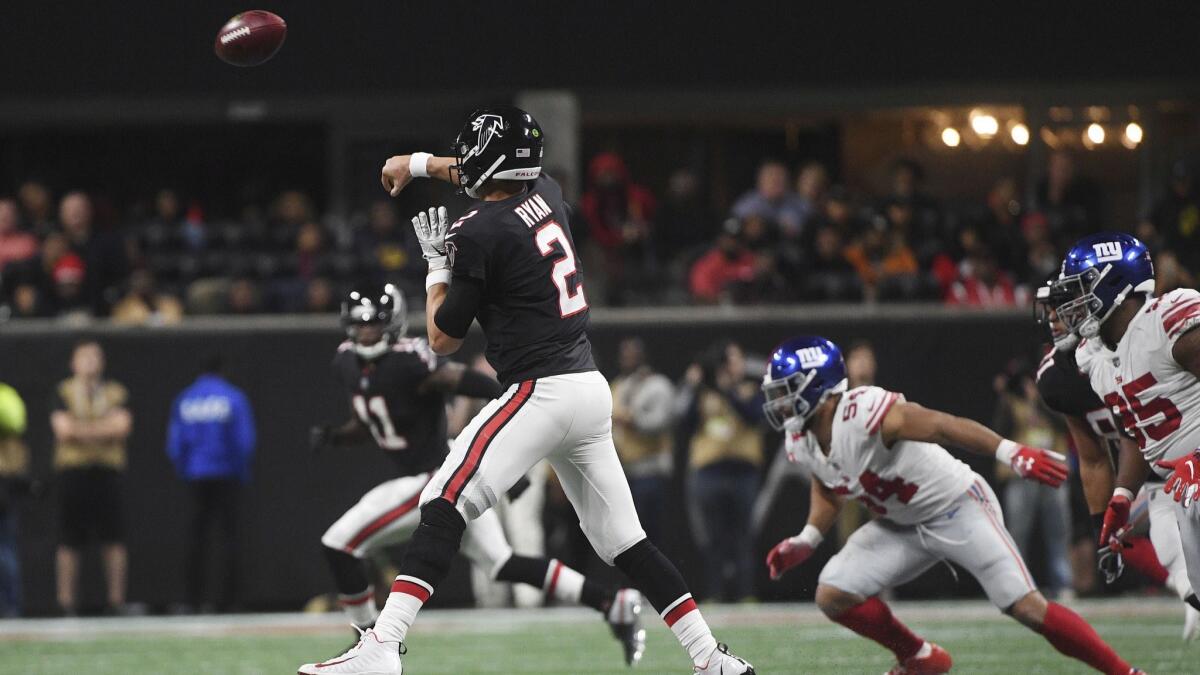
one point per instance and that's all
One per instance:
(569, 642)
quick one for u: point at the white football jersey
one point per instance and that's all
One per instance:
(1155, 398)
(909, 483)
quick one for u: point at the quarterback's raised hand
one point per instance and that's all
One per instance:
(431, 227)
(1044, 466)
(1184, 481)
(396, 174)
(793, 551)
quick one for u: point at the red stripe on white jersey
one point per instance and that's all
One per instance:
(1178, 314)
(877, 419)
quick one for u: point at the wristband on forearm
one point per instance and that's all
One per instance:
(418, 164)
(810, 536)
(435, 277)
(1005, 451)
(1123, 492)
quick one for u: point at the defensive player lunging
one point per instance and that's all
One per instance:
(510, 262)
(397, 389)
(870, 444)
(1096, 435)
(1146, 370)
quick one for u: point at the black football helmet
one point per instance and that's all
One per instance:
(375, 305)
(501, 142)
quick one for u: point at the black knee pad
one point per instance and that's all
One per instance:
(348, 572)
(434, 543)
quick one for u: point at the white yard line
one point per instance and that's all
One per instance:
(506, 620)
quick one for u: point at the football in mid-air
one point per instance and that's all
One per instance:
(250, 38)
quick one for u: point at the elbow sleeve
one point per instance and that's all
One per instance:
(458, 309)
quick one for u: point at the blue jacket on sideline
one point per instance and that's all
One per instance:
(211, 434)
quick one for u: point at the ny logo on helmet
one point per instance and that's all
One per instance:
(812, 357)
(1107, 251)
(488, 127)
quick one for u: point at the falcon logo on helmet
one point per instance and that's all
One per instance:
(498, 142)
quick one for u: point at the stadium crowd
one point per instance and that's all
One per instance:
(783, 240)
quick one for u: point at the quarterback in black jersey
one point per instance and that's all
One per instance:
(1096, 436)
(398, 389)
(509, 262)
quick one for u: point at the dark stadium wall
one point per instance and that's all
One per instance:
(294, 495)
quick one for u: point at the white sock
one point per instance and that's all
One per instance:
(360, 607)
(925, 650)
(563, 585)
(400, 611)
(1179, 584)
(690, 629)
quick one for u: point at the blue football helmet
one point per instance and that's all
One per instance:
(1099, 272)
(802, 373)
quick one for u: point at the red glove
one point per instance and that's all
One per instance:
(792, 551)
(1184, 480)
(1044, 466)
(1116, 517)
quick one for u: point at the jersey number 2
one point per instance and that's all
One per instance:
(374, 413)
(569, 303)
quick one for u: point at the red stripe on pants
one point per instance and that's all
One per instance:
(482, 440)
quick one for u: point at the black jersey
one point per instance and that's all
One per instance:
(533, 311)
(1067, 391)
(410, 426)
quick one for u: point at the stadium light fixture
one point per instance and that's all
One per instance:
(1133, 134)
(1020, 134)
(1095, 134)
(951, 137)
(985, 126)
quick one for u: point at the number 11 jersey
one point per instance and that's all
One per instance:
(908, 483)
(409, 425)
(1156, 399)
(534, 311)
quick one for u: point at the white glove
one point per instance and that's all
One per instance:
(431, 229)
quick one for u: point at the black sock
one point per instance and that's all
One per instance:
(596, 595)
(653, 574)
(532, 571)
(348, 573)
(1193, 601)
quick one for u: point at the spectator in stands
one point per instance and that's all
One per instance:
(999, 228)
(1042, 259)
(684, 222)
(102, 255)
(386, 248)
(91, 426)
(826, 274)
(210, 441)
(922, 219)
(319, 297)
(885, 264)
(643, 413)
(1176, 216)
(1169, 274)
(289, 212)
(37, 208)
(310, 250)
(1070, 202)
(772, 201)
(14, 482)
(16, 245)
(144, 305)
(27, 301)
(620, 217)
(812, 184)
(715, 275)
(982, 284)
(70, 299)
(244, 297)
(723, 412)
(1030, 506)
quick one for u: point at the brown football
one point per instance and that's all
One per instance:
(250, 38)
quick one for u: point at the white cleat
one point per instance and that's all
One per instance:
(722, 662)
(371, 656)
(624, 617)
(1191, 623)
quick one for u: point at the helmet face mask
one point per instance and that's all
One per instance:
(801, 375)
(1098, 274)
(382, 311)
(1045, 313)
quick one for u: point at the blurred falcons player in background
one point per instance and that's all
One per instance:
(1145, 365)
(870, 444)
(1096, 437)
(397, 389)
(510, 262)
